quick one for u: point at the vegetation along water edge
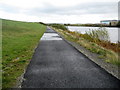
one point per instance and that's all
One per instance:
(105, 51)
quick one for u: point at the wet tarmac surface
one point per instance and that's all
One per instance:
(51, 36)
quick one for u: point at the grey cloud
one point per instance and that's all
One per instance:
(8, 8)
(101, 8)
(85, 8)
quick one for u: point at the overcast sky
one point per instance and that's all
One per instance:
(59, 11)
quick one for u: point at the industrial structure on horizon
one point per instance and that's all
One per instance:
(110, 22)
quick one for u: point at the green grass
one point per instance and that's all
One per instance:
(18, 44)
(108, 55)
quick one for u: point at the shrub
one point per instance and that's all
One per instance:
(59, 26)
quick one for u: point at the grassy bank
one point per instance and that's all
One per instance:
(18, 43)
(105, 50)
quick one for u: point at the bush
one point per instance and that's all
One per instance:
(58, 26)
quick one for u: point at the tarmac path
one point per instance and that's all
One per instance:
(56, 64)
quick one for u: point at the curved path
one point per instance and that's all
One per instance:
(56, 64)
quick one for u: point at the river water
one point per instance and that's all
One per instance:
(113, 32)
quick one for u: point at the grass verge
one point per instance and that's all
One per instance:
(19, 41)
(109, 55)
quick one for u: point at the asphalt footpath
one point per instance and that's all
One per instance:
(57, 64)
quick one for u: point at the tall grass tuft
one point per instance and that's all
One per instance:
(99, 34)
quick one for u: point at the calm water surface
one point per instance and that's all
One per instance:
(113, 32)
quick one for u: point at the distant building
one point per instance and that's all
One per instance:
(109, 22)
